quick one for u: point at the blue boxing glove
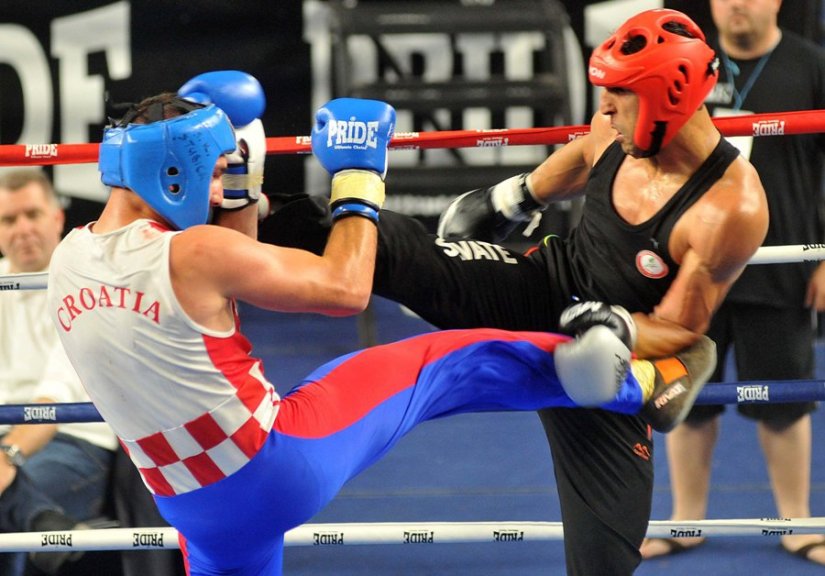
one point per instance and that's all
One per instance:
(350, 139)
(242, 98)
(237, 93)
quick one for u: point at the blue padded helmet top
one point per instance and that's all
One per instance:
(169, 163)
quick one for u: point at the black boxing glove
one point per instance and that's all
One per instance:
(491, 214)
(577, 319)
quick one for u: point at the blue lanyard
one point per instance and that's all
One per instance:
(733, 70)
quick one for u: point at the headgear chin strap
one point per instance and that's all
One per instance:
(169, 163)
(670, 73)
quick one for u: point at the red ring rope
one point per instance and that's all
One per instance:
(769, 124)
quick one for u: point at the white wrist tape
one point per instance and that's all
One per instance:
(514, 199)
(363, 185)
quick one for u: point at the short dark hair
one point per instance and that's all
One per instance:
(16, 179)
(156, 108)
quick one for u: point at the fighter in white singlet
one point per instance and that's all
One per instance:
(144, 302)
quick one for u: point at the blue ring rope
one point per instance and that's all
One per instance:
(759, 392)
(768, 392)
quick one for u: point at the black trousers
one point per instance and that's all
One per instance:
(768, 343)
(602, 461)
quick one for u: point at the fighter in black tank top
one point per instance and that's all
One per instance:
(611, 260)
(469, 283)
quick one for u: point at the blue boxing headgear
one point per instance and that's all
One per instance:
(169, 163)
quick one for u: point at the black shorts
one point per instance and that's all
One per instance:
(767, 344)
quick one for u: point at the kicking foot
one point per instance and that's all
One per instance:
(653, 547)
(673, 383)
(812, 551)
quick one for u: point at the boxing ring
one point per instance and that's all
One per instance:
(385, 533)
(351, 534)
(406, 533)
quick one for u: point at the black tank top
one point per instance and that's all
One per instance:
(630, 265)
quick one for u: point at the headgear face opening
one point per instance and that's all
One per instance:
(169, 163)
(662, 57)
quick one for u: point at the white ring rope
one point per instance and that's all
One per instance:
(764, 255)
(788, 254)
(356, 534)
(25, 281)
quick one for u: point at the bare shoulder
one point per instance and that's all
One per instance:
(564, 173)
(203, 232)
(205, 241)
(739, 200)
(205, 252)
(729, 223)
(742, 179)
(591, 145)
(206, 264)
(216, 259)
(601, 136)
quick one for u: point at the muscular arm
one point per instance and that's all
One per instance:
(564, 173)
(714, 241)
(210, 264)
(684, 313)
(244, 220)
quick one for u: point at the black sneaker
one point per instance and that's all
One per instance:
(677, 382)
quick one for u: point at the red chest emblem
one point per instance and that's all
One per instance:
(651, 264)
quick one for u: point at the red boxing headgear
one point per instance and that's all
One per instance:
(662, 57)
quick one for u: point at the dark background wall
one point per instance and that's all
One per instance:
(172, 41)
(169, 41)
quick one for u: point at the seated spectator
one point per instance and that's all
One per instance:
(52, 476)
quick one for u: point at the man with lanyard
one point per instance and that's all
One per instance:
(767, 314)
